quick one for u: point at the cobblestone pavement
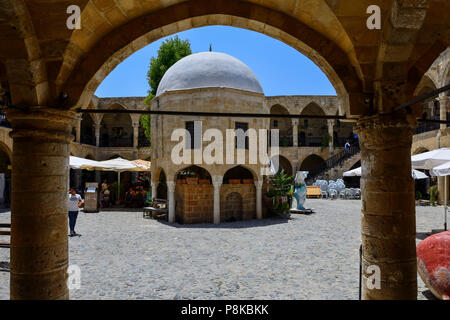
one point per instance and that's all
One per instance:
(123, 256)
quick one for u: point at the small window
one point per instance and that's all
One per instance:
(275, 123)
(244, 127)
(191, 143)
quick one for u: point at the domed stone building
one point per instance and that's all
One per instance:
(208, 82)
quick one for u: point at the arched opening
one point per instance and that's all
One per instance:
(284, 164)
(311, 163)
(116, 129)
(284, 125)
(237, 185)
(313, 132)
(87, 130)
(193, 174)
(237, 173)
(162, 185)
(194, 196)
(420, 150)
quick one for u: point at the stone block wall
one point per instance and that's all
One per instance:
(237, 202)
(194, 203)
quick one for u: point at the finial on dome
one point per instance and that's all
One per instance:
(210, 47)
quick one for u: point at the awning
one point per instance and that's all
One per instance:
(81, 163)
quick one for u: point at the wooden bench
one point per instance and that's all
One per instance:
(158, 210)
(5, 233)
(313, 192)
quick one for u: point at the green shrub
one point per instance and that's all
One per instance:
(433, 195)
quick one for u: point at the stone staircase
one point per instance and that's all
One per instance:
(337, 171)
(334, 167)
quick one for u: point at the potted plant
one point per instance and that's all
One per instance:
(278, 197)
(234, 181)
(203, 181)
(247, 181)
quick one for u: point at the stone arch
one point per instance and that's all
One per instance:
(311, 162)
(284, 164)
(6, 149)
(239, 172)
(420, 150)
(333, 53)
(198, 171)
(236, 192)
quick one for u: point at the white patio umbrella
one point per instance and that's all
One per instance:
(81, 163)
(416, 174)
(119, 165)
(442, 171)
(430, 160)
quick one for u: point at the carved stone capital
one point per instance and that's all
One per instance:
(42, 123)
(386, 131)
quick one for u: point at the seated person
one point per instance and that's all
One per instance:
(106, 198)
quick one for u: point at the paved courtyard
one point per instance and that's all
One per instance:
(123, 256)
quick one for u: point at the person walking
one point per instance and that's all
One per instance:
(347, 147)
(74, 204)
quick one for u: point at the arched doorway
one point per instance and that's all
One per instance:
(283, 164)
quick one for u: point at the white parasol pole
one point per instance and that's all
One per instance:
(445, 204)
(118, 185)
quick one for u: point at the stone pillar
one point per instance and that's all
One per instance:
(443, 101)
(258, 185)
(388, 210)
(295, 132)
(39, 247)
(135, 135)
(331, 134)
(78, 129)
(154, 189)
(217, 183)
(97, 127)
(171, 199)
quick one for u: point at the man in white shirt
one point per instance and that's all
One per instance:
(74, 203)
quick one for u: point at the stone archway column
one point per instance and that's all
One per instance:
(331, 134)
(217, 183)
(78, 129)
(295, 132)
(388, 209)
(171, 200)
(443, 101)
(258, 185)
(39, 247)
(97, 127)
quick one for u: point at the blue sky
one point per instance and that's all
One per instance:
(281, 69)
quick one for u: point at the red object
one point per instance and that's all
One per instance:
(433, 264)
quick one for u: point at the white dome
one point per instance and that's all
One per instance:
(207, 70)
